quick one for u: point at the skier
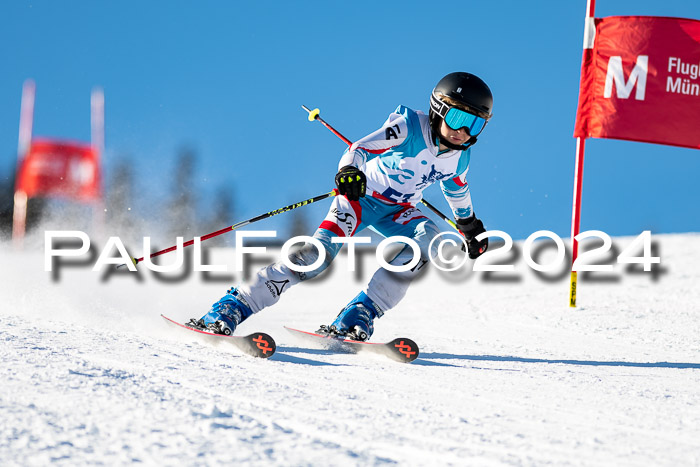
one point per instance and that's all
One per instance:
(380, 179)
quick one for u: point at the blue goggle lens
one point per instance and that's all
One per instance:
(456, 119)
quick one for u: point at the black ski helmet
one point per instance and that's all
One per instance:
(470, 92)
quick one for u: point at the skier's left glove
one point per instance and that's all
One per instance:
(351, 182)
(471, 227)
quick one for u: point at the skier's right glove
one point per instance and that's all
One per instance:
(351, 182)
(471, 227)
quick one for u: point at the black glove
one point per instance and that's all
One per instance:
(351, 182)
(471, 227)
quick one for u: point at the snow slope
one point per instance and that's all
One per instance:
(508, 373)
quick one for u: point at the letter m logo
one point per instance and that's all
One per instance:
(616, 75)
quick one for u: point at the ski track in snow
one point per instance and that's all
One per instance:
(508, 373)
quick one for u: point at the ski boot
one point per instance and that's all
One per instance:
(225, 314)
(356, 320)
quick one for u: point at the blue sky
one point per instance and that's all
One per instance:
(228, 79)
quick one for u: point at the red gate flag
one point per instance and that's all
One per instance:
(60, 168)
(641, 81)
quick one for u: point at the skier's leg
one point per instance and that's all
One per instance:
(270, 282)
(343, 219)
(387, 288)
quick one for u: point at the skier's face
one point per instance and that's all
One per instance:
(457, 137)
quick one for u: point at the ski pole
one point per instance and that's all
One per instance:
(316, 115)
(230, 228)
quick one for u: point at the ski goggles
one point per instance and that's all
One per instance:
(457, 118)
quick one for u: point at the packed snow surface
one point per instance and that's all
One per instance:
(508, 373)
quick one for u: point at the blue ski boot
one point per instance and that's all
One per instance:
(225, 314)
(356, 320)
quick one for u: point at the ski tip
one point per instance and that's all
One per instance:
(262, 345)
(405, 349)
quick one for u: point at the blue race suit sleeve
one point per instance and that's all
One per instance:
(456, 189)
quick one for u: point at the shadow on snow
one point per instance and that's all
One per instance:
(497, 358)
(283, 355)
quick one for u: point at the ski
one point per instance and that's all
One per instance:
(400, 349)
(257, 344)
